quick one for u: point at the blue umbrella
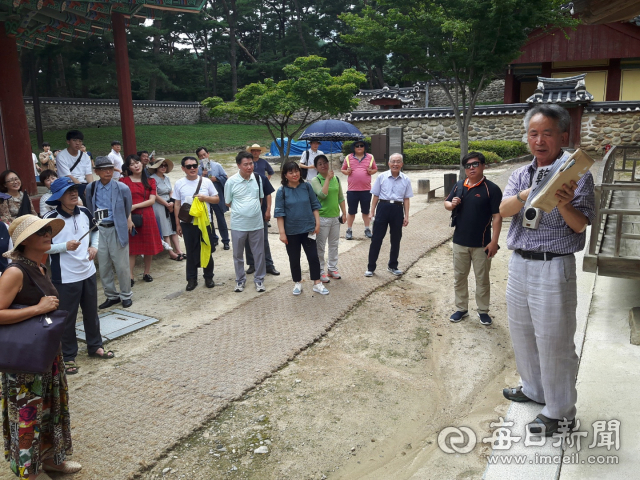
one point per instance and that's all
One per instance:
(332, 130)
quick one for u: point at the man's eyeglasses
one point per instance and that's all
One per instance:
(191, 166)
(44, 230)
(469, 165)
(12, 180)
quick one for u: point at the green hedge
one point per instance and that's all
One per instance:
(439, 154)
(505, 149)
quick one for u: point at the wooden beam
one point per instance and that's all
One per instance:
(124, 84)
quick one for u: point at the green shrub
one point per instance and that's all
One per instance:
(438, 154)
(346, 146)
(504, 148)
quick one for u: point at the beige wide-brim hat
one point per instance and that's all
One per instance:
(26, 225)
(155, 165)
(255, 146)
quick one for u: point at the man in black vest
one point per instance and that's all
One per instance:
(475, 203)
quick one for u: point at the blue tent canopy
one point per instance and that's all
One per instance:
(297, 148)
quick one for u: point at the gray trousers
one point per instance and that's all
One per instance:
(329, 232)
(112, 256)
(83, 294)
(256, 241)
(541, 306)
(463, 257)
(267, 248)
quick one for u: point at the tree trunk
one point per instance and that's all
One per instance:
(61, 76)
(214, 79)
(232, 19)
(153, 80)
(380, 76)
(299, 24)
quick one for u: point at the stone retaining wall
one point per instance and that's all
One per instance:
(600, 129)
(492, 93)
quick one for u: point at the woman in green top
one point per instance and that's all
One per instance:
(329, 191)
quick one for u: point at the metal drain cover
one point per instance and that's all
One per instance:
(117, 323)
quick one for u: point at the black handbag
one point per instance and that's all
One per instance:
(31, 346)
(136, 218)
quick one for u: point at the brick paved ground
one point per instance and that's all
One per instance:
(124, 420)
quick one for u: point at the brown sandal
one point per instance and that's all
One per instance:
(68, 466)
(71, 367)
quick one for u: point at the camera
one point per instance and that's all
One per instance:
(531, 218)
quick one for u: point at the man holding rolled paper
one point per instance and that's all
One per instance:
(541, 290)
(73, 271)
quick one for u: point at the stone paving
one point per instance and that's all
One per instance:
(124, 420)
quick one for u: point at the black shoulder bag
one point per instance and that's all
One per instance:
(304, 171)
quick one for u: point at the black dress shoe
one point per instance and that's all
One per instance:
(273, 271)
(516, 395)
(147, 278)
(132, 282)
(226, 247)
(110, 302)
(127, 303)
(191, 284)
(209, 282)
(546, 426)
(251, 269)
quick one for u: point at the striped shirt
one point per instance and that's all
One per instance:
(553, 235)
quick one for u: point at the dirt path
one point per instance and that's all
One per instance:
(368, 400)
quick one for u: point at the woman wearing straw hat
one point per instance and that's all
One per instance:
(35, 406)
(163, 208)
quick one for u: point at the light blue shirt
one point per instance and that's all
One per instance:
(243, 197)
(103, 200)
(388, 187)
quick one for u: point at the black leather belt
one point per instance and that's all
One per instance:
(392, 202)
(106, 225)
(544, 256)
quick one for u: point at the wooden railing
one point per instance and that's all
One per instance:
(617, 201)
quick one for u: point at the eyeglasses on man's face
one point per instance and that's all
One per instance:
(44, 231)
(469, 165)
(191, 166)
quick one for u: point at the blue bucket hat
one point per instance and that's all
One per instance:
(61, 185)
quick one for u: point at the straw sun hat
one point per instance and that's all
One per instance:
(155, 165)
(25, 226)
(255, 146)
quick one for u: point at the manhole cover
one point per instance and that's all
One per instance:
(117, 323)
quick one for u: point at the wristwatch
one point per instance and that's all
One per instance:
(520, 199)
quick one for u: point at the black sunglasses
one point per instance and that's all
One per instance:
(191, 166)
(44, 230)
(360, 145)
(469, 165)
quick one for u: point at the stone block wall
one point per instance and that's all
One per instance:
(600, 129)
(506, 127)
(494, 92)
(61, 114)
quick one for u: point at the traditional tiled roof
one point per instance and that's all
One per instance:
(613, 107)
(35, 23)
(561, 90)
(416, 88)
(111, 102)
(428, 113)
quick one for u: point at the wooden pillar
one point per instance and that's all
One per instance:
(16, 142)
(614, 77)
(575, 130)
(545, 69)
(124, 85)
(510, 88)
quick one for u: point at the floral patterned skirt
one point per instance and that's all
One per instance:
(35, 418)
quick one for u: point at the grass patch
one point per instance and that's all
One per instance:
(166, 139)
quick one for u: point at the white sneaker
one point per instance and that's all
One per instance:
(166, 246)
(239, 287)
(321, 289)
(297, 288)
(260, 287)
(368, 273)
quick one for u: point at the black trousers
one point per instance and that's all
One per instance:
(83, 294)
(296, 242)
(222, 223)
(388, 215)
(192, 235)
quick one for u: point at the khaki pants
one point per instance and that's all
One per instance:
(463, 257)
